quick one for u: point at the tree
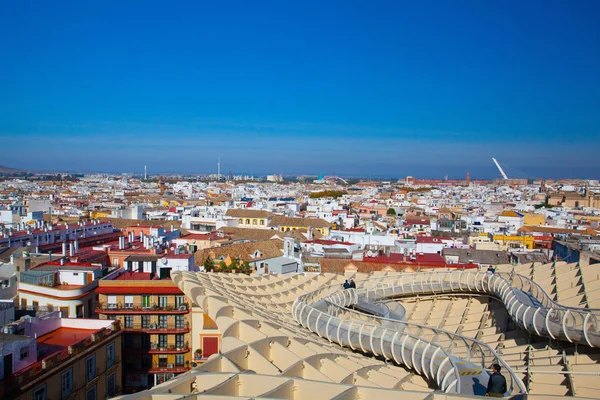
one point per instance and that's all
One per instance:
(235, 264)
(209, 265)
(223, 267)
(391, 212)
(245, 268)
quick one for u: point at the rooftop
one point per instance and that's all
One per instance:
(60, 339)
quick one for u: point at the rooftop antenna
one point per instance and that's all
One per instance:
(500, 168)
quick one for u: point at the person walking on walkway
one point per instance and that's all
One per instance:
(352, 284)
(346, 284)
(497, 383)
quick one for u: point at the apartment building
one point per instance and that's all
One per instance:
(45, 234)
(63, 286)
(156, 321)
(57, 358)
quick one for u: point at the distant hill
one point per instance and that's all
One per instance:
(11, 171)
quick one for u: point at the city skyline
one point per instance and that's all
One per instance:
(385, 90)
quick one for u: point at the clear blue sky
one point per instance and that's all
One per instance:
(371, 88)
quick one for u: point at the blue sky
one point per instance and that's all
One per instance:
(364, 88)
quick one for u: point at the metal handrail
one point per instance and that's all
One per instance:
(500, 285)
(438, 332)
(296, 311)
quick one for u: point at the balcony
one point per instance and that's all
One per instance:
(158, 368)
(157, 328)
(135, 308)
(156, 348)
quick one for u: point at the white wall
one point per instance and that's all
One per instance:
(15, 347)
(72, 277)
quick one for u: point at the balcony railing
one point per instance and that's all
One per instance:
(158, 347)
(174, 368)
(158, 327)
(138, 308)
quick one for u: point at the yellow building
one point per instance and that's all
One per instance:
(506, 242)
(63, 358)
(155, 316)
(248, 218)
(534, 219)
(286, 224)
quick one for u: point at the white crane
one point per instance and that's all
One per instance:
(500, 168)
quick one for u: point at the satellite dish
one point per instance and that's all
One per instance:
(172, 248)
(164, 261)
(193, 241)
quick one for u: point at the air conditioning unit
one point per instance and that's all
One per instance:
(152, 326)
(183, 307)
(171, 365)
(128, 305)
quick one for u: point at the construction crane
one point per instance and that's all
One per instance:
(500, 168)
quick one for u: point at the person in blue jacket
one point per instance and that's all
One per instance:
(497, 383)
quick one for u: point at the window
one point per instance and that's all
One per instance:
(128, 301)
(179, 322)
(162, 361)
(162, 340)
(162, 301)
(179, 360)
(67, 383)
(111, 385)
(145, 321)
(179, 300)
(129, 321)
(162, 321)
(146, 301)
(40, 393)
(91, 394)
(112, 301)
(110, 355)
(90, 368)
(115, 262)
(24, 352)
(179, 341)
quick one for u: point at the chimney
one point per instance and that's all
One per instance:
(76, 246)
(12, 258)
(121, 242)
(64, 249)
(49, 256)
(71, 249)
(62, 261)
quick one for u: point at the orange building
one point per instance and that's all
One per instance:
(156, 321)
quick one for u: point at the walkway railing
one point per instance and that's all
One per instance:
(431, 351)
